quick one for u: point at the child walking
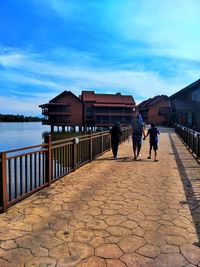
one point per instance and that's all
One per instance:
(153, 140)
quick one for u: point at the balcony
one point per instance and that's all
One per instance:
(46, 112)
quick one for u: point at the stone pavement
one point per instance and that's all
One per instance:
(112, 213)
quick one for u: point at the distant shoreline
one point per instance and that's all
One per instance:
(18, 118)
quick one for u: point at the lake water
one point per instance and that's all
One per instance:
(21, 134)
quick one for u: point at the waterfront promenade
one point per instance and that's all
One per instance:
(113, 213)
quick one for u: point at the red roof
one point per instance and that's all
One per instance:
(90, 96)
(152, 101)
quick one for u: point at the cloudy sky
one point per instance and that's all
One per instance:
(136, 47)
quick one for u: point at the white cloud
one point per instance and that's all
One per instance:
(12, 105)
(25, 69)
(51, 78)
(66, 9)
(165, 27)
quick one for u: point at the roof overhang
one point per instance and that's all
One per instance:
(114, 105)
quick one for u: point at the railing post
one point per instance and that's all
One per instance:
(90, 146)
(48, 166)
(3, 183)
(102, 143)
(74, 163)
(185, 135)
(198, 145)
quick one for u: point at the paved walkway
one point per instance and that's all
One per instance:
(112, 213)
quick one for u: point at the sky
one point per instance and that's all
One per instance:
(136, 47)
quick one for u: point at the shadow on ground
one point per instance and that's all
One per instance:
(190, 176)
(125, 159)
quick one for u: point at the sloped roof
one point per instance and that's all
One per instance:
(192, 86)
(51, 102)
(157, 99)
(152, 101)
(62, 94)
(143, 103)
(88, 96)
(107, 98)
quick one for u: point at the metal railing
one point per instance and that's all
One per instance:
(190, 138)
(26, 170)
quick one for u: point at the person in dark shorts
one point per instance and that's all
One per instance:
(153, 140)
(116, 135)
(137, 132)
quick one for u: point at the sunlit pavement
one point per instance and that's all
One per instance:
(113, 213)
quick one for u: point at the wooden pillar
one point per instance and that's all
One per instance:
(90, 145)
(74, 155)
(3, 183)
(48, 166)
(198, 146)
(102, 145)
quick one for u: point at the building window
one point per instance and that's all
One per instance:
(116, 110)
(59, 109)
(196, 95)
(102, 119)
(101, 110)
(89, 113)
(115, 118)
(127, 119)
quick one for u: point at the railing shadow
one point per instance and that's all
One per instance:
(188, 180)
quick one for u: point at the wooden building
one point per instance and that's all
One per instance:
(88, 110)
(66, 109)
(156, 109)
(186, 106)
(105, 109)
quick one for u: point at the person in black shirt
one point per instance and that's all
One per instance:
(115, 134)
(153, 140)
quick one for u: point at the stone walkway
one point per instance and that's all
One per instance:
(112, 213)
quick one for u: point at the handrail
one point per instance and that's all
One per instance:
(190, 138)
(23, 148)
(23, 173)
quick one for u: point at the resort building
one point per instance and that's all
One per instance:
(186, 106)
(156, 109)
(88, 110)
(66, 109)
(105, 109)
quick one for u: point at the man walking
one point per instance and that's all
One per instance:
(137, 132)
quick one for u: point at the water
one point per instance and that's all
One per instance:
(21, 134)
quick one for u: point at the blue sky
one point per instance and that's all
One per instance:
(136, 47)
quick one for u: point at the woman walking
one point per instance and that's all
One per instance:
(115, 134)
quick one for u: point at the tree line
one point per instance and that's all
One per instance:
(18, 118)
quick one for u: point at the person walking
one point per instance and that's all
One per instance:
(153, 140)
(115, 134)
(137, 132)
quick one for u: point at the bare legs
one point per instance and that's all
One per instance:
(155, 153)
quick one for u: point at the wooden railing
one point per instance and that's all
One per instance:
(26, 170)
(190, 138)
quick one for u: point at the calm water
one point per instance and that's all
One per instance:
(15, 135)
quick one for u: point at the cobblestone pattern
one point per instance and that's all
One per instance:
(112, 213)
